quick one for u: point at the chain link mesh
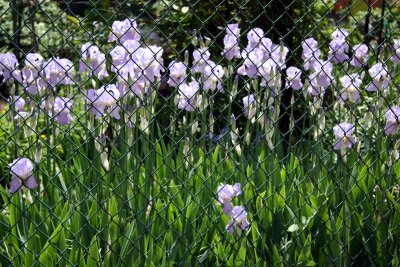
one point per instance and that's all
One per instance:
(215, 133)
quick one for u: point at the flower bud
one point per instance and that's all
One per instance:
(38, 153)
(195, 127)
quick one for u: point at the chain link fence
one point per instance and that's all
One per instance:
(206, 133)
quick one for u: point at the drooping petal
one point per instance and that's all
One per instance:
(30, 182)
(227, 208)
(15, 185)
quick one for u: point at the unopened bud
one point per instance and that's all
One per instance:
(195, 126)
(38, 153)
(104, 160)
(186, 61)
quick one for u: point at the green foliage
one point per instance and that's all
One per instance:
(42, 26)
(159, 212)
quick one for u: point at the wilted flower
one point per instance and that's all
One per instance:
(58, 71)
(32, 81)
(226, 193)
(343, 135)
(104, 100)
(360, 55)
(9, 67)
(392, 120)
(380, 77)
(124, 30)
(231, 43)
(177, 73)
(293, 78)
(351, 87)
(22, 174)
(238, 220)
(188, 98)
(213, 75)
(311, 54)
(338, 47)
(396, 49)
(93, 60)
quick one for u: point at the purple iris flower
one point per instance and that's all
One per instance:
(61, 106)
(226, 193)
(213, 75)
(360, 55)
(254, 37)
(19, 103)
(392, 120)
(93, 60)
(233, 29)
(380, 78)
(343, 135)
(58, 71)
(62, 110)
(32, 81)
(119, 55)
(321, 78)
(9, 67)
(268, 48)
(104, 100)
(269, 72)
(201, 57)
(311, 54)
(238, 220)
(278, 55)
(351, 85)
(124, 30)
(136, 66)
(293, 78)
(231, 43)
(338, 47)
(252, 61)
(188, 97)
(396, 51)
(22, 174)
(177, 73)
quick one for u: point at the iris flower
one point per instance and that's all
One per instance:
(343, 135)
(22, 174)
(226, 193)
